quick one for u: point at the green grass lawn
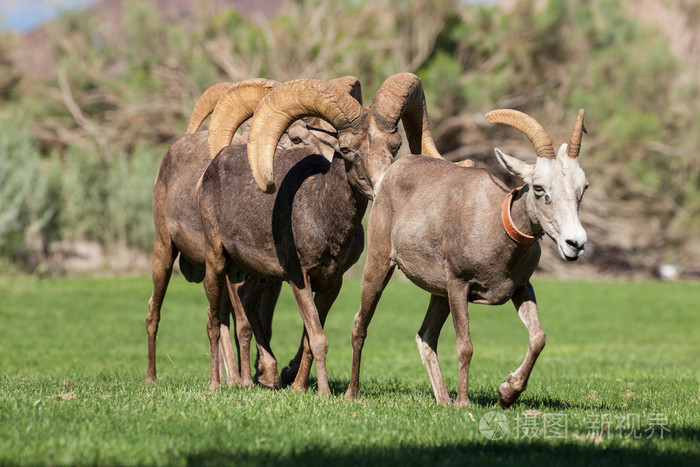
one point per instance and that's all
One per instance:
(618, 382)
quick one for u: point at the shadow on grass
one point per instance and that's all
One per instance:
(482, 397)
(377, 388)
(473, 453)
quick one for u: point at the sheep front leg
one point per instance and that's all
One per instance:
(290, 372)
(317, 340)
(243, 335)
(323, 302)
(266, 309)
(227, 357)
(301, 363)
(224, 368)
(525, 303)
(247, 298)
(427, 340)
(375, 276)
(458, 295)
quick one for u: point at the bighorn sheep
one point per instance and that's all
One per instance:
(178, 223)
(309, 232)
(463, 236)
(319, 137)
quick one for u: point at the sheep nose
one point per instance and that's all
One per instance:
(575, 244)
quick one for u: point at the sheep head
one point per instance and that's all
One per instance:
(239, 101)
(317, 132)
(555, 183)
(368, 138)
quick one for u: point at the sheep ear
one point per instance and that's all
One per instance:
(563, 150)
(328, 151)
(515, 166)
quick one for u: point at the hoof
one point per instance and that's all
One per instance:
(352, 394)
(245, 383)
(151, 380)
(507, 395)
(289, 374)
(296, 387)
(463, 404)
(268, 380)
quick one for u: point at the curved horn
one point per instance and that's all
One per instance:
(401, 97)
(574, 146)
(205, 105)
(287, 103)
(349, 84)
(528, 125)
(233, 109)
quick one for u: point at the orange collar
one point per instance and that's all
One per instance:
(511, 230)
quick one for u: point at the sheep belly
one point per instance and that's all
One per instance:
(425, 272)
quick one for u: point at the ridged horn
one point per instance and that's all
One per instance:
(574, 145)
(529, 126)
(205, 105)
(349, 84)
(401, 97)
(237, 106)
(466, 163)
(287, 103)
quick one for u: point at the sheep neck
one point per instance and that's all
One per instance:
(513, 213)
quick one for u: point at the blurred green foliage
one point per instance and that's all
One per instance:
(79, 149)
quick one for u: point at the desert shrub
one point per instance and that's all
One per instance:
(31, 203)
(130, 186)
(84, 169)
(110, 201)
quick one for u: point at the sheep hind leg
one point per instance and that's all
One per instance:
(525, 303)
(214, 284)
(427, 340)
(164, 254)
(323, 301)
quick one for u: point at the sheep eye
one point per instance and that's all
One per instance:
(296, 140)
(344, 150)
(580, 198)
(539, 191)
